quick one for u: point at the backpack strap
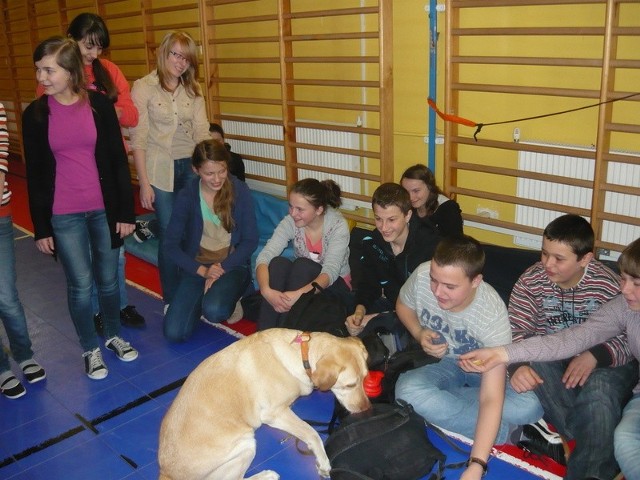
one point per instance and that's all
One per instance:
(446, 438)
(352, 475)
(452, 444)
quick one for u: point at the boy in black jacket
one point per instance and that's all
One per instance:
(390, 253)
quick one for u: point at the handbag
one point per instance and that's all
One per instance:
(318, 312)
(387, 442)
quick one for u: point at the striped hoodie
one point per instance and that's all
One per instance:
(538, 306)
(5, 210)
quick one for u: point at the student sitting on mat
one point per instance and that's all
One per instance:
(390, 253)
(449, 310)
(210, 239)
(320, 236)
(618, 316)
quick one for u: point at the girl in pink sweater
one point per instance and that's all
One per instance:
(101, 75)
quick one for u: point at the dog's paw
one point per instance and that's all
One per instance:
(324, 470)
(264, 475)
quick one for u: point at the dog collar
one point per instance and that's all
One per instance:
(303, 339)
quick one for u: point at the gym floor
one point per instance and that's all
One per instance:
(71, 427)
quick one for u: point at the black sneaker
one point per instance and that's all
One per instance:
(12, 388)
(94, 366)
(123, 350)
(538, 439)
(129, 317)
(99, 324)
(32, 370)
(142, 233)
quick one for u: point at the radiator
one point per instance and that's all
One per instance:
(320, 137)
(259, 149)
(578, 168)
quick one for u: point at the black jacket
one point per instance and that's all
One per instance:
(447, 219)
(111, 159)
(236, 166)
(383, 273)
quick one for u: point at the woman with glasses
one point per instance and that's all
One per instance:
(172, 121)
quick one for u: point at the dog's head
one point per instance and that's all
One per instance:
(341, 367)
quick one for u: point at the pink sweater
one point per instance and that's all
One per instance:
(72, 137)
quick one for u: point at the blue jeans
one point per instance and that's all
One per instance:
(163, 205)
(11, 311)
(122, 286)
(189, 303)
(588, 414)
(83, 245)
(626, 440)
(447, 396)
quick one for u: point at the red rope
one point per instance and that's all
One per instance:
(451, 118)
(469, 123)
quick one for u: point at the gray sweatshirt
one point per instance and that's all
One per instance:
(334, 257)
(613, 318)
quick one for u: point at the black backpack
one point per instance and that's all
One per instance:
(412, 356)
(318, 312)
(387, 442)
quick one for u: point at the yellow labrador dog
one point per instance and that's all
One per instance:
(208, 432)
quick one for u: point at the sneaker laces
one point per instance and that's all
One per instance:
(95, 359)
(144, 228)
(119, 344)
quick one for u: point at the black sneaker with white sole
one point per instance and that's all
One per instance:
(11, 387)
(94, 366)
(32, 370)
(539, 439)
(123, 350)
(142, 233)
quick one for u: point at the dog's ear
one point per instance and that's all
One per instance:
(326, 373)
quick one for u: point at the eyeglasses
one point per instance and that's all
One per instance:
(180, 57)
